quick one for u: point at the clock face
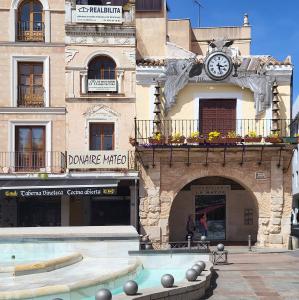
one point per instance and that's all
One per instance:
(218, 66)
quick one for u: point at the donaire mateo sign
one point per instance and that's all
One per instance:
(98, 160)
(98, 14)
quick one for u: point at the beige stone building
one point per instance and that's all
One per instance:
(67, 105)
(211, 134)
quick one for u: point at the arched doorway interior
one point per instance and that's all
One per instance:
(221, 208)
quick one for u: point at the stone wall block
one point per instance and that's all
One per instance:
(277, 208)
(276, 200)
(275, 239)
(274, 229)
(276, 214)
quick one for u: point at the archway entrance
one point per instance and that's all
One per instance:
(221, 208)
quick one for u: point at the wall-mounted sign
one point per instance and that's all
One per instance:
(102, 85)
(98, 14)
(98, 160)
(260, 176)
(57, 192)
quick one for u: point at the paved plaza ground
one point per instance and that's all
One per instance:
(251, 276)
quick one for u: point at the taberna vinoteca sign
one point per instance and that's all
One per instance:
(98, 160)
(98, 14)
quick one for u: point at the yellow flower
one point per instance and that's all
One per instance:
(213, 135)
(195, 134)
(252, 134)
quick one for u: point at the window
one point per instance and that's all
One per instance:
(102, 75)
(30, 84)
(101, 136)
(30, 21)
(102, 2)
(219, 115)
(248, 216)
(29, 148)
(148, 5)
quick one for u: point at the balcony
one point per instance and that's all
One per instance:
(29, 96)
(57, 162)
(228, 132)
(32, 162)
(31, 31)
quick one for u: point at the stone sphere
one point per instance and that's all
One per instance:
(202, 264)
(203, 238)
(191, 275)
(197, 268)
(130, 288)
(103, 294)
(220, 247)
(167, 281)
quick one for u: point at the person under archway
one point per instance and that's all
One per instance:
(190, 227)
(203, 224)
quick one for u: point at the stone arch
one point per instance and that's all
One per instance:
(15, 4)
(91, 56)
(249, 201)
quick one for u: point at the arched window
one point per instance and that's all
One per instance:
(102, 75)
(30, 25)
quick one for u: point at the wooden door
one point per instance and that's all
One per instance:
(217, 115)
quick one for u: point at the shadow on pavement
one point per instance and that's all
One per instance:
(213, 285)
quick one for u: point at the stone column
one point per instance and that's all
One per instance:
(13, 25)
(65, 211)
(150, 206)
(277, 204)
(120, 76)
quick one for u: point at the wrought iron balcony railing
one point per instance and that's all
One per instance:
(47, 161)
(31, 31)
(32, 161)
(30, 96)
(146, 129)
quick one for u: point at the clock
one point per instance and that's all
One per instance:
(218, 66)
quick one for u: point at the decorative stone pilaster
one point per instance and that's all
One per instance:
(84, 87)
(120, 77)
(275, 109)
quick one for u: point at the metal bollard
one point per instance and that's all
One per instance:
(249, 243)
(290, 243)
(189, 242)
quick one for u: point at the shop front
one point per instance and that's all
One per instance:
(67, 202)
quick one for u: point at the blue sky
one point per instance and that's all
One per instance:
(275, 29)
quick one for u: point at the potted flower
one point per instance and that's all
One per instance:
(252, 137)
(176, 138)
(232, 138)
(273, 138)
(214, 137)
(157, 139)
(133, 141)
(195, 138)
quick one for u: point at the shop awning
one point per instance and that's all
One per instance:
(57, 187)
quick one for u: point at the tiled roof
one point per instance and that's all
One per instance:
(250, 63)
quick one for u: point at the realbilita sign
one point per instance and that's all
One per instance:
(98, 160)
(98, 14)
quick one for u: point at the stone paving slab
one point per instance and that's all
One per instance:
(257, 276)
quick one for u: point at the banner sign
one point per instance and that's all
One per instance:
(98, 160)
(98, 14)
(102, 85)
(57, 192)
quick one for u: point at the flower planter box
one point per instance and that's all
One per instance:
(233, 140)
(291, 140)
(154, 141)
(196, 140)
(217, 141)
(252, 139)
(273, 140)
(178, 141)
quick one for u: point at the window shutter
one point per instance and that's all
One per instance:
(148, 5)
